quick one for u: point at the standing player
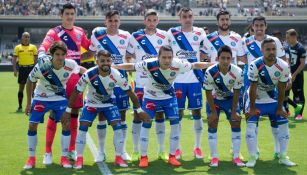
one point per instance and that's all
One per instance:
(26, 54)
(50, 94)
(223, 82)
(145, 44)
(115, 41)
(297, 55)
(74, 37)
(269, 76)
(159, 94)
(186, 42)
(252, 47)
(101, 81)
(223, 37)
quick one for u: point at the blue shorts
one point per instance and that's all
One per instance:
(39, 108)
(121, 99)
(169, 106)
(139, 92)
(267, 109)
(190, 90)
(224, 105)
(89, 114)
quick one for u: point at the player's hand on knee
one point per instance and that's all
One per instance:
(252, 112)
(281, 112)
(235, 117)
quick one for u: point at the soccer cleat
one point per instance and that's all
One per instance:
(101, 157)
(162, 156)
(173, 161)
(78, 163)
(178, 153)
(19, 109)
(71, 155)
(30, 163)
(214, 162)
(285, 161)
(297, 110)
(126, 156)
(47, 159)
(251, 162)
(65, 162)
(119, 161)
(143, 162)
(135, 156)
(237, 162)
(198, 153)
(299, 117)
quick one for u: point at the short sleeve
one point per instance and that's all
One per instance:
(76, 68)
(253, 72)
(85, 42)
(16, 51)
(280, 49)
(34, 50)
(35, 74)
(241, 51)
(82, 83)
(122, 82)
(302, 51)
(208, 83)
(285, 75)
(239, 80)
(94, 43)
(131, 46)
(184, 66)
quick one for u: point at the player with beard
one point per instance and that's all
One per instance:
(145, 44)
(252, 47)
(101, 80)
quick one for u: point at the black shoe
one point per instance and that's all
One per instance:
(19, 109)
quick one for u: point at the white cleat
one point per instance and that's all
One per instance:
(251, 162)
(126, 156)
(47, 159)
(101, 157)
(287, 162)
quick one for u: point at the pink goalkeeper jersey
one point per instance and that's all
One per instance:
(74, 39)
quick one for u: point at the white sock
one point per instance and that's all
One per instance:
(118, 140)
(136, 130)
(212, 139)
(257, 138)
(124, 130)
(251, 138)
(198, 130)
(144, 137)
(101, 132)
(81, 141)
(276, 140)
(160, 131)
(65, 140)
(179, 131)
(283, 137)
(32, 142)
(236, 141)
(174, 138)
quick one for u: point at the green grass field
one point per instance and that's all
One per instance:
(13, 146)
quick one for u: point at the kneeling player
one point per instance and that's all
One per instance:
(223, 82)
(101, 81)
(159, 94)
(50, 94)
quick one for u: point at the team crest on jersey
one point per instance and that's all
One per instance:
(78, 37)
(159, 41)
(65, 75)
(277, 74)
(233, 43)
(174, 42)
(138, 47)
(172, 74)
(111, 84)
(195, 38)
(122, 42)
(231, 81)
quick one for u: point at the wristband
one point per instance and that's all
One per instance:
(68, 110)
